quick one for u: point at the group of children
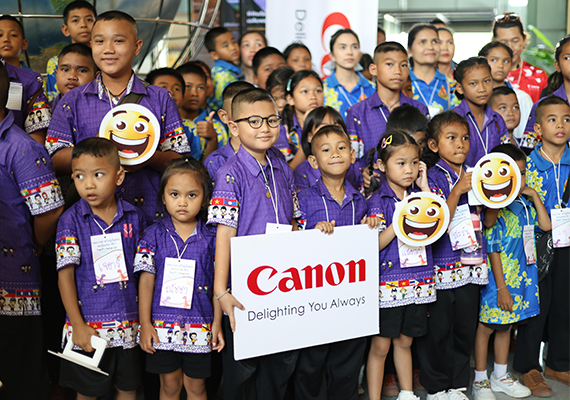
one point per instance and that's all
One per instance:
(304, 154)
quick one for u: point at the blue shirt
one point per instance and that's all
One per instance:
(437, 93)
(337, 97)
(223, 73)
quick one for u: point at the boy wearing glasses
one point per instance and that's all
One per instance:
(260, 187)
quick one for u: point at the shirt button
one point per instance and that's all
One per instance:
(122, 190)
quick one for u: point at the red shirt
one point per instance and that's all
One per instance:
(529, 79)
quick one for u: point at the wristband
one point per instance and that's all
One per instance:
(502, 287)
(222, 295)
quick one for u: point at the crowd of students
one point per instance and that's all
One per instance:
(260, 139)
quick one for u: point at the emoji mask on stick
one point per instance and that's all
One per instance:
(496, 180)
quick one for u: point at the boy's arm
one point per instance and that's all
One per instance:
(146, 292)
(490, 217)
(44, 226)
(544, 222)
(81, 331)
(62, 161)
(218, 342)
(504, 298)
(222, 271)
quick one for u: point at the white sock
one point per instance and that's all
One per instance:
(480, 376)
(500, 370)
(406, 392)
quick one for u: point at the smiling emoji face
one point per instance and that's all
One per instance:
(497, 180)
(421, 219)
(134, 130)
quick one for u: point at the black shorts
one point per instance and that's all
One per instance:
(194, 365)
(123, 366)
(497, 327)
(410, 320)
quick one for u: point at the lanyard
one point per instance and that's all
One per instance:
(556, 176)
(486, 142)
(178, 251)
(384, 115)
(525, 210)
(448, 176)
(275, 202)
(350, 103)
(327, 210)
(99, 225)
(422, 95)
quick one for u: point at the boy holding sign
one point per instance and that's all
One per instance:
(95, 244)
(254, 194)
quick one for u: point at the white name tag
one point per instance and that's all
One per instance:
(461, 231)
(529, 246)
(277, 228)
(178, 283)
(433, 111)
(560, 227)
(108, 258)
(15, 94)
(411, 256)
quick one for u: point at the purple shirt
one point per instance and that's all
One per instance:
(306, 176)
(399, 286)
(78, 116)
(481, 143)
(29, 188)
(240, 197)
(184, 330)
(318, 205)
(105, 307)
(39, 116)
(366, 122)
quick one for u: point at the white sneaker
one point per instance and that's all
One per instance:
(509, 385)
(457, 394)
(438, 396)
(482, 390)
(407, 396)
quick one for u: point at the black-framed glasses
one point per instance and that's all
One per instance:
(508, 17)
(256, 121)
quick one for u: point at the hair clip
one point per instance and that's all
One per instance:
(386, 141)
(288, 88)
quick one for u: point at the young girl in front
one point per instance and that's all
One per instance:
(175, 259)
(512, 293)
(307, 176)
(304, 92)
(250, 43)
(345, 87)
(445, 351)
(404, 292)
(486, 127)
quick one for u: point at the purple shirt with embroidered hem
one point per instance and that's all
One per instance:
(78, 116)
(366, 122)
(382, 204)
(494, 129)
(100, 302)
(306, 176)
(317, 205)
(29, 188)
(32, 82)
(157, 244)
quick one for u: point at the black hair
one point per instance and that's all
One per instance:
(434, 129)
(386, 47)
(260, 33)
(337, 34)
(485, 50)
(7, 17)
(556, 79)
(79, 48)
(262, 55)
(278, 78)
(444, 28)
(407, 118)
(189, 165)
(381, 30)
(547, 101)
(97, 147)
(293, 46)
(250, 96)
(76, 5)
(510, 20)
(437, 21)
(153, 75)
(327, 130)
(365, 61)
(212, 35)
(120, 16)
(315, 119)
(417, 28)
(501, 91)
(191, 68)
(389, 142)
(4, 85)
(204, 67)
(511, 150)
(294, 80)
(234, 88)
(464, 66)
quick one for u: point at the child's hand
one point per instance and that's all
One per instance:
(228, 302)
(218, 342)
(505, 300)
(373, 222)
(422, 181)
(205, 129)
(528, 191)
(326, 227)
(464, 184)
(148, 334)
(82, 337)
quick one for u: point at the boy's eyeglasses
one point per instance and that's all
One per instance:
(509, 17)
(256, 121)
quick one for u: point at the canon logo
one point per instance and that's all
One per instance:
(265, 279)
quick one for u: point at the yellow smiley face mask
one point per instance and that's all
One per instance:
(134, 130)
(496, 180)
